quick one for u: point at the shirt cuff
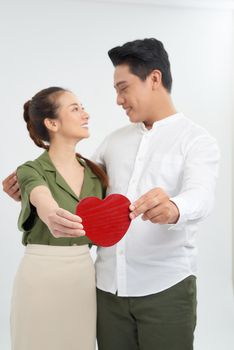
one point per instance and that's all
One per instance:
(181, 205)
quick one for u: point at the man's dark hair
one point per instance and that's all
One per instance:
(142, 57)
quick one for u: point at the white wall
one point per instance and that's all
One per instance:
(65, 43)
(232, 110)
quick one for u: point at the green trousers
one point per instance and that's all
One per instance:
(161, 321)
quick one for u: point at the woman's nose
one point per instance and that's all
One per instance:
(85, 114)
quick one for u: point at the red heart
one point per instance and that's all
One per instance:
(105, 221)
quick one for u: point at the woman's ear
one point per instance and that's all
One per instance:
(156, 78)
(51, 124)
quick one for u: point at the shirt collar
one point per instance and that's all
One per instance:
(163, 122)
(46, 163)
(88, 183)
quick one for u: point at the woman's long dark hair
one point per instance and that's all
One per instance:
(43, 105)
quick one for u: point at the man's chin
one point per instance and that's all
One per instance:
(134, 119)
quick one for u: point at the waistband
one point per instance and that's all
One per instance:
(41, 249)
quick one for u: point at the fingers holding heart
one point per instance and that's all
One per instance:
(156, 206)
(148, 201)
(158, 215)
(62, 223)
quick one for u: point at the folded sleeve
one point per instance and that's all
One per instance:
(28, 178)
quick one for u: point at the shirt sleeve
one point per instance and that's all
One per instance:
(196, 197)
(28, 178)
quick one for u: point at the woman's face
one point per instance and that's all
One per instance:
(72, 118)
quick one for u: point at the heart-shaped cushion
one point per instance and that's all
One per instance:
(105, 221)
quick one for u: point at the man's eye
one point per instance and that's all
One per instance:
(75, 109)
(123, 89)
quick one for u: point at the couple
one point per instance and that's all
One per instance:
(165, 164)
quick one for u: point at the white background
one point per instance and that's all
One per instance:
(65, 43)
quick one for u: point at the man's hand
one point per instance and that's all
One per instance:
(11, 187)
(155, 206)
(62, 223)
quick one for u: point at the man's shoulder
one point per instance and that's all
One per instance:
(194, 129)
(123, 130)
(121, 133)
(114, 140)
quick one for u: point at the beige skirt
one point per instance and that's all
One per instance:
(54, 300)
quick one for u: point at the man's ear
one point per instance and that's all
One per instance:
(51, 124)
(156, 78)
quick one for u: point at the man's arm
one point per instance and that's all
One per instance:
(11, 187)
(196, 197)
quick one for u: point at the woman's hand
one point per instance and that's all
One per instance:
(60, 222)
(11, 187)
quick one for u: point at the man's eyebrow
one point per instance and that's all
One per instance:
(74, 104)
(120, 83)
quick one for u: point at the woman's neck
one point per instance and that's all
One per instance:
(62, 153)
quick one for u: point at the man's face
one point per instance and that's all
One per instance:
(133, 94)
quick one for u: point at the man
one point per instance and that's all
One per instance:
(167, 166)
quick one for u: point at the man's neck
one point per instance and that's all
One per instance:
(159, 116)
(162, 108)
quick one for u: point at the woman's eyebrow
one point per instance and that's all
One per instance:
(74, 104)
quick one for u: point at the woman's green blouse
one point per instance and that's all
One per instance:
(39, 172)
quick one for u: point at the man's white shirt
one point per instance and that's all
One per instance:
(181, 158)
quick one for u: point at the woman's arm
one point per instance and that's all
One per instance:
(60, 222)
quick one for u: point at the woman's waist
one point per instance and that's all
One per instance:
(53, 250)
(40, 235)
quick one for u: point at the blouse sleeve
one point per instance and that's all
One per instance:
(28, 178)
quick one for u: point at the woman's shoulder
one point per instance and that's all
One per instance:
(31, 165)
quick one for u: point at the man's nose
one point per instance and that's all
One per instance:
(119, 100)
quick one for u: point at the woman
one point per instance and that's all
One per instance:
(54, 300)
